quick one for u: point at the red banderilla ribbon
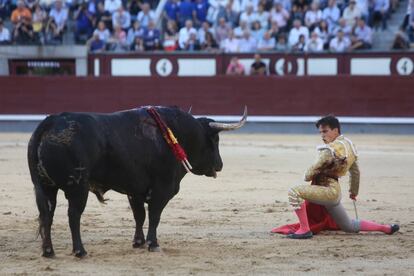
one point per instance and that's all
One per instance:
(170, 139)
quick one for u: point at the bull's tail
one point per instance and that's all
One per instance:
(34, 143)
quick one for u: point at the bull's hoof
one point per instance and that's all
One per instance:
(154, 248)
(80, 253)
(48, 252)
(139, 243)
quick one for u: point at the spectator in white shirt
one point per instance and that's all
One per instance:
(59, 14)
(340, 43)
(313, 16)
(362, 38)
(112, 5)
(247, 44)
(102, 32)
(122, 18)
(331, 14)
(280, 15)
(314, 44)
(230, 44)
(352, 13)
(296, 31)
(4, 34)
(185, 32)
(146, 15)
(248, 16)
(239, 31)
(262, 16)
(266, 43)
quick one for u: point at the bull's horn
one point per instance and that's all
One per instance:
(189, 110)
(230, 126)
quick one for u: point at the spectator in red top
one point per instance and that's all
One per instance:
(235, 68)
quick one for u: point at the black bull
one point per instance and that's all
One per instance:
(123, 151)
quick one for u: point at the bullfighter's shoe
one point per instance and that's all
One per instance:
(303, 236)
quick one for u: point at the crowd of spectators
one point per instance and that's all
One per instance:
(231, 26)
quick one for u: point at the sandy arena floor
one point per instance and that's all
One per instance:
(221, 226)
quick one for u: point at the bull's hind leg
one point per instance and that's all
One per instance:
(138, 209)
(46, 203)
(77, 198)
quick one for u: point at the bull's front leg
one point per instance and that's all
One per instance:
(155, 207)
(138, 209)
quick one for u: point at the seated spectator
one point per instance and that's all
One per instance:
(118, 42)
(185, 11)
(146, 15)
(102, 32)
(239, 31)
(58, 16)
(263, 17)
(249, 16)
(103, 15)
(257, 31)
(235, 68)
(351, 14)
(401, 41)
(274, 30)
(38, 22)
(230, 44)
(112, 5)
(185, 33)
(362, 38)
(314, 44)
(4, 34)
(222, 30)
(209, 44)
(323, 33)
(192, 43)
(170, 36)
(200, 12)
(313, 16)
(20, 12)
(137, 45)
(152, 37)
(381, 8)
(331, 15)
(135, 31)
(229, 14)
(258, 67)
(300, 45)
(122, 18)
(296, 32)
(282, 44)
(23, 33)
(266, 43)
(84, 25)
(201, 33)
(95, 44)
(340, 43)
(247, 43)
(344, 27)
(279, 15)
